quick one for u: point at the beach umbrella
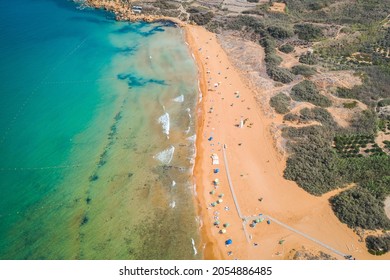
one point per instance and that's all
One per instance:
(226, 225)
(281, 242)
(213, 204)
(269, 222)
(219, 201)
(217, 223)
(210, 138)
(216, 170)
(221, 195)
(258, 221)
(228, 242)
(212, 192)
(222, 231)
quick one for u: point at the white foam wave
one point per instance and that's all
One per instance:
(180, 98)
(165, 156)
(165, 123)
(173, 183)
(193, 246)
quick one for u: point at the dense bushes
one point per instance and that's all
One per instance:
(286, 48)
(291, 117)
(246, 22)
(279, 74)
(304, 70)
(202, 18)
(365, 122)
(307, 91)
(375, 86)
(280, 32)
(378, 245)
(357, 207)
(308, 58)
(318, 114)
(272, 61)
(281, 103)
(308, 32)
(313, 164)
(384, 102)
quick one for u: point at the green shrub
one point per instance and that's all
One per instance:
(357, 207)
(291, 117)
(279, 74)
(280, 32)
(286, 48)
(313, 164)
(308, 32)
(384, 102)
(365, 122)
(268, 44)
(281, 103)
(307, 91)
(202, 18)
(273, 59)
(378, 245)
(350, 105)
(308, 58)
(318, 114)
(304, 70)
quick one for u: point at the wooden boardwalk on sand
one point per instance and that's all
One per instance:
(245, 219)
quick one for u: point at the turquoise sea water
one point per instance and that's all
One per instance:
(96, 136)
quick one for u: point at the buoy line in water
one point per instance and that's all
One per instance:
(40, 208)
(78, 81)
(40, 168)
(37, 87)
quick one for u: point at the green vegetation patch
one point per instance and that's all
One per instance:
(308, 32)
(378, 245)
(202, 18)
(359, 208)
(313, 163)
(308, 58)
(303, 70)
(279, 74)
(308, 92)
(350, 105)
(318, 114)
(286, 48)
(279, 32)
(281, 103)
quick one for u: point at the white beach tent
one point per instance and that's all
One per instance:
(215, 159)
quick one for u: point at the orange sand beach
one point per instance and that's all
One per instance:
(256, 171)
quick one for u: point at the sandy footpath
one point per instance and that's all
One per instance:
(256, 171)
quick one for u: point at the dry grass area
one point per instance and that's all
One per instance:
(346, 79)
(289, 60)
(306, 254)
(278, 8)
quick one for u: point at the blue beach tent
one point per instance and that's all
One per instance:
(228, 242)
